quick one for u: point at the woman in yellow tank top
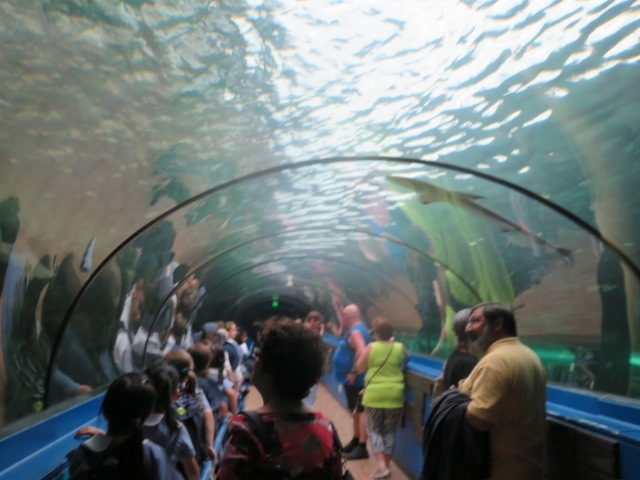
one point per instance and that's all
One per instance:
(383, 360)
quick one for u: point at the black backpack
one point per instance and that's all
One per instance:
(98, 466)
(234, 360)
(189, 411)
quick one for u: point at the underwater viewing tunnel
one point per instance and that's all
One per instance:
(266, 158)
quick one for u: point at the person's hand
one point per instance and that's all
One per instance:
(88, 430)
(351, 377)
(211, 453)
(83, 389)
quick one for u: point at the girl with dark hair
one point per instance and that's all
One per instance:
(209, 368)
(162, 426)
(284, 438)
(192, 407)
(122, 452)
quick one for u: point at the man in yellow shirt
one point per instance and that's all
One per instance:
(508, 394)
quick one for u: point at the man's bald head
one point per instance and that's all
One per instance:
(351, 315)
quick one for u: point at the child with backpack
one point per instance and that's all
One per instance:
(192, 406)
(208, 362)
(163, 427)
(121, 452)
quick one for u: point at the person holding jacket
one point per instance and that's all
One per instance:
(383, 398)
(508, 394)
(460, 362)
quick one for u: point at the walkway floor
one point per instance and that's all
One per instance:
(331, 407)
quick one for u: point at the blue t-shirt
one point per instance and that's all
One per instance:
(344, 356)
(203, 399)
(214, 392)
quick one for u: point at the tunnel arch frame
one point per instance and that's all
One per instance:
(55, 345)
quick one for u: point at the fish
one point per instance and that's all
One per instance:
(430, 193)
(87, 258)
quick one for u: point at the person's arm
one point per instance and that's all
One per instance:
(477, 423)
(232, 395)
(363, 360)
(209, 429)
(67, 385)
(486, 387)
(126, 311)
(338, 307)
(227, 367)
(88, 430)
(191, 468)
(356, 341)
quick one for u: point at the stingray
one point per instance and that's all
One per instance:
(430, 193)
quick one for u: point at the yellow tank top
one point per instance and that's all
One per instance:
(384, 389)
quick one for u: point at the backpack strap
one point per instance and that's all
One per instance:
(259, 428)
(174, 440)
(273, 471)
(337, 446)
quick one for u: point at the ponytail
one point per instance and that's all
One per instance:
(128, 401)
(130, 455)
(192, 383)
(182, 361)
(165, 379)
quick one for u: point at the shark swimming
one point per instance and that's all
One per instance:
(430, 193)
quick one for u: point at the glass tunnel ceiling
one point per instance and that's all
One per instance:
(413, 157)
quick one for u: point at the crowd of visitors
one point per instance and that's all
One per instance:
(162, 422)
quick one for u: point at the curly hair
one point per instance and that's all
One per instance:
(294, 356)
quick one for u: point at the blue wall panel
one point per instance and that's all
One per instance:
(39, 449)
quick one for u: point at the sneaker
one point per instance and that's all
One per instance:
(359, 452)
(377, 473)
(350, 446)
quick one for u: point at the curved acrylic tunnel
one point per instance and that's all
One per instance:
(165, 165)
(405, 239)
